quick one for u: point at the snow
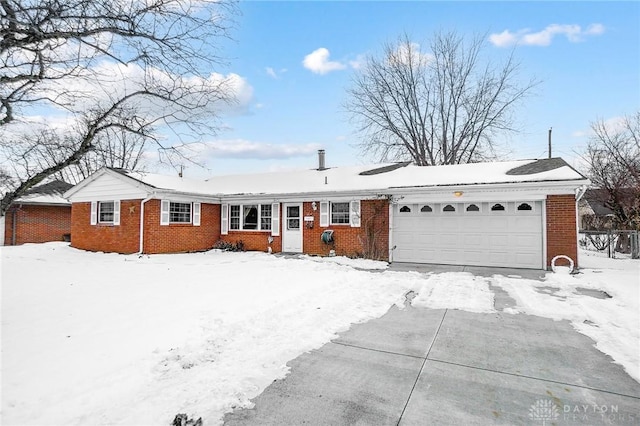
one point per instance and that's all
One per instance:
(36, 198)
(95, 338)
(338, 179)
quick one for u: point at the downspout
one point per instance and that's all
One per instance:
(142, 203)
(14, 225)
(579, 194)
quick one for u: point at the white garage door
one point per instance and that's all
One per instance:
(507, 234)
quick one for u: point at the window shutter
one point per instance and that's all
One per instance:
(164, 212)
(94, 212)
(354, 214)
(275, 219)
(196, 214)
(224, 219)
(116, 212)
(324, 213)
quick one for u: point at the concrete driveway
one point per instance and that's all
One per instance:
(419, 366)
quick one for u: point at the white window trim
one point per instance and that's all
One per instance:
(324, 214)
(224, 219)
(275, 219)
(194, 214)
(241, 224)
(331, 222)
(95, 213)
(355, 213)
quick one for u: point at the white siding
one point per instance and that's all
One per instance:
(108, 187)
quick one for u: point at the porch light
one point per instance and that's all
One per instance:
(458, 193)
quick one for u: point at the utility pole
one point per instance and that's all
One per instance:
(550, 129)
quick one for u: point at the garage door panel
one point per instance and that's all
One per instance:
(509, 238)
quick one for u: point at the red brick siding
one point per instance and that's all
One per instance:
(348, 241)
(125, 238)
(174, 238)
(562, 235)
(37, 224)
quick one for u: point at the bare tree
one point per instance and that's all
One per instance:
(112, 72)
(441, 107)
(613, 160)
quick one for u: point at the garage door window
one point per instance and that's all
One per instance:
(426, 209)
(473, 208)
(405, 209)
(497, 208)
(449, 208)
(525, 207)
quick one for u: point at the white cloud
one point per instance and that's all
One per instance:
(573, 32)
(275, 73)
(242, 148)
(318, 62)
(271, 72)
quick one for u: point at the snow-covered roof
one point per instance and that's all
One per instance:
(379, 177)
(50, 193)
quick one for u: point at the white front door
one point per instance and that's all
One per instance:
(292, 229)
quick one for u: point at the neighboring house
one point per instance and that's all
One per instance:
(593, 214)
(41, 215)
(510, 214)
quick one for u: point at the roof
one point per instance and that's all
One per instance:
(50, 193)
(379, 177)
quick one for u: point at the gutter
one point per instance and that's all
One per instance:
(142, 203)
(14, 225)
(580, 192)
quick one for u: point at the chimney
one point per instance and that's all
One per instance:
(321, 165)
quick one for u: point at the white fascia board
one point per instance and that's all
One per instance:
(531, 191)
(178, 196)
(335, 196)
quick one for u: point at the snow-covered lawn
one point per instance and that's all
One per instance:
(94, 338)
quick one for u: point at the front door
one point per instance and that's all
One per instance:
(292, 229)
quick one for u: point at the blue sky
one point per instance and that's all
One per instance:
(587, 55)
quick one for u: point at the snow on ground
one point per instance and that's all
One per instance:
(612, 322)
(95, 338)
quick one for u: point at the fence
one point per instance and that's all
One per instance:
(614, 241)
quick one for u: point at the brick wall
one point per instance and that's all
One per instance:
(120, 239)
(348, 241)
(37, 224)
(124, 238)
(174, 238)
(562, 235)
(373, 232)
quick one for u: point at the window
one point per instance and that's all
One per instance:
(265, 217)
(234, 215)
(525, 206)
(473, 208)
(250, 217)
(497, 208)
(339, 213)
(405, 209)
(426, 209)
(179, 212)
(449, 208)
(106, 211)
(293, 217)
